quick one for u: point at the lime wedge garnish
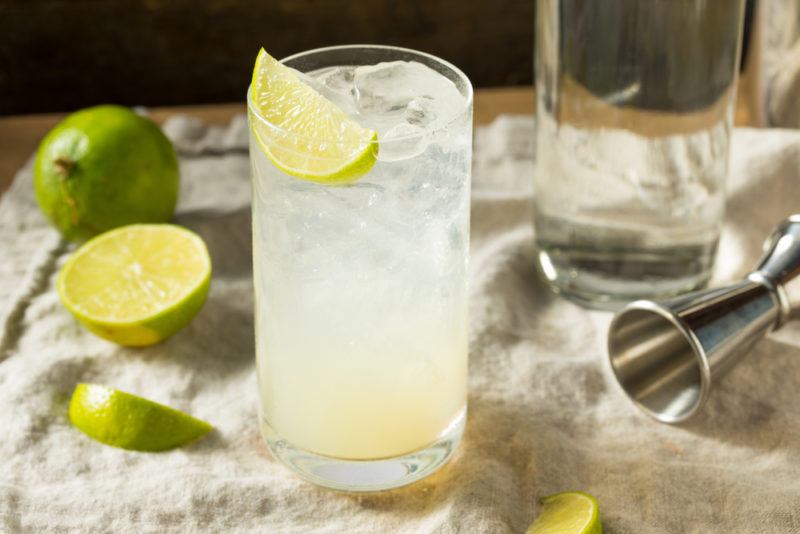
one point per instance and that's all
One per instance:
(573, 512)
(138, 284)
(129, 422)
(305, 134)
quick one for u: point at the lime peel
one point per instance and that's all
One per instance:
(127, 421)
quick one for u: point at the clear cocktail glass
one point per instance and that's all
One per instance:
(361, 289)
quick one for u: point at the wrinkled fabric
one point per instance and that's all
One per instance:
(777, 47)
(545, 414)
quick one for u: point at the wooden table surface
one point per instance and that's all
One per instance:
(20, 135)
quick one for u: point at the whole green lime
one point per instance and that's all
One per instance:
(104, 167)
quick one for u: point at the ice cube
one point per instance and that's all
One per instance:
(332, 84)
(402, 141)
(421, 111)
(386, 90)
(338, 79)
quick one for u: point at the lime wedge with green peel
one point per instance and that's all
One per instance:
(303, 133)
(129, 422)
(138, 284)
(573, 512)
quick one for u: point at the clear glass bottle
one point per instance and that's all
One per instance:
(635, 105)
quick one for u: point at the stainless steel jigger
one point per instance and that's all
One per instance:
(666, 355)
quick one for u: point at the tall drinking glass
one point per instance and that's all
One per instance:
(361, 289)
(635, 103)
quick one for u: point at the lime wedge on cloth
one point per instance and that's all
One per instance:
(129, 422)
(573, 512)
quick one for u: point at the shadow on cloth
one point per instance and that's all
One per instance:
(228, 236)
(514, 305)
(752, 405)
(198, 345)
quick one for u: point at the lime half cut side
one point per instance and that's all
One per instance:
(130, 422)
(573, 512)
(138, 284)
(303, 133)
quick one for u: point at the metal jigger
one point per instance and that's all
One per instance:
(667, 354)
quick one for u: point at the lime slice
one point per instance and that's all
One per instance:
(138, 284)
(305, 134)
(129, 422)
(573, 512)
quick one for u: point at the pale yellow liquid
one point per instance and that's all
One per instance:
(358, 400)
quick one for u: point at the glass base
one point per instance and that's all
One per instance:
(608, 283)
(366, 475)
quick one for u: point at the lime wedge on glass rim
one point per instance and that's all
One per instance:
(130, 422)
(137, 285)
(303, 133)
(572, 512)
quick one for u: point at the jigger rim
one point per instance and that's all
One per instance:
(695, 345)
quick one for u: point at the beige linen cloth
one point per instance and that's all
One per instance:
(545, 414)
(774, 63)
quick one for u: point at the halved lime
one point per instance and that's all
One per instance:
(129, 422)
(305, 134)
(138, 284)
(573, 512)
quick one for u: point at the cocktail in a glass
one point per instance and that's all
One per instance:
(361, 281)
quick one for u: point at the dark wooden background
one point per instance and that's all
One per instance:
(60, 55)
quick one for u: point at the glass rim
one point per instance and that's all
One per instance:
(425, 133)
